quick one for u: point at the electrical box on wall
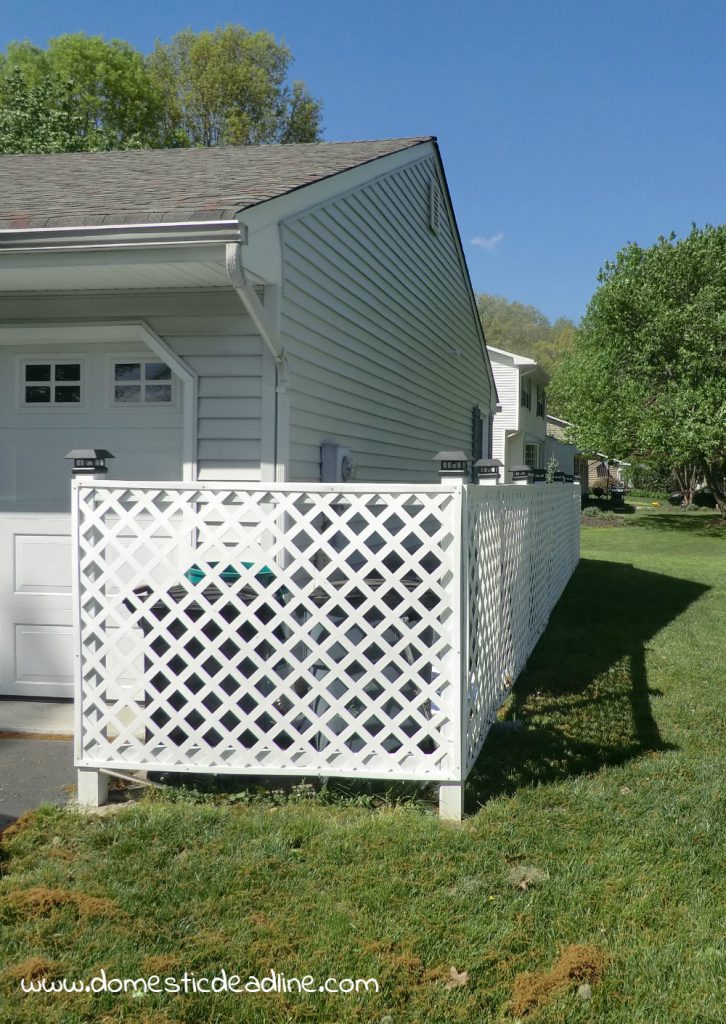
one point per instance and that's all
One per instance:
(336, 465)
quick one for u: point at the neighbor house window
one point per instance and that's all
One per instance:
(527, 393)
(51, 383)
(142, 382)
(540, 401)
(533, 456)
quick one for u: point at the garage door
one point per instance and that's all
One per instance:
(122, 398)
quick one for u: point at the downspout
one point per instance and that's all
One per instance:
(257, 313)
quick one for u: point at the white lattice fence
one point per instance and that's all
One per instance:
(283, 629)
(367, 630)
(523, 545)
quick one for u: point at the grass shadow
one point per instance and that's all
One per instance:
(706, 524)
(584, 700)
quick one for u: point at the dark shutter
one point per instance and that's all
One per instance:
(476, 437)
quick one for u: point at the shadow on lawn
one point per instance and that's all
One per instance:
(584, 699)
(707, 524)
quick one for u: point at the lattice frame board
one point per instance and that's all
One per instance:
(322, 638)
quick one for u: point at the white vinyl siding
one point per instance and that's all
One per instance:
(377, 320)
(507, 381)
(210, 332)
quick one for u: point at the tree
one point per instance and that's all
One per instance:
(647, 376)
(229, 87)
(83, 93)
(525, 330)
(116, 103)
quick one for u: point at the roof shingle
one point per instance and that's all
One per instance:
(168, 185)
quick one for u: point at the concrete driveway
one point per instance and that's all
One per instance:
(33, 771)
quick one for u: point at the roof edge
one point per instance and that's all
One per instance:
(111, 236)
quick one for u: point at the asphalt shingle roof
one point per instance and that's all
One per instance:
(154, 186)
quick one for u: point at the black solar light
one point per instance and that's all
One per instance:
(539, 476)
(89, 461)
(487, 471)
(559, 477)
(521, 474)
(452, 464)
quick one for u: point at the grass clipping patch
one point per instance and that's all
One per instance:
(32, 969)
(534, 989)
(40, 902)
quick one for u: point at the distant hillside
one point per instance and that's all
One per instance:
(525, 330)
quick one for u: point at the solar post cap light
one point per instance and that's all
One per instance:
(487, 471)
(89, 461)
(452, 464)
(521, 474)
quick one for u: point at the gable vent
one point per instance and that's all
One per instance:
(434, 206)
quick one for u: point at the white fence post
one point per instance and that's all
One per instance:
(91, 784)
(451, 794)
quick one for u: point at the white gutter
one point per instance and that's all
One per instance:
(270, 335)
(249, 299)
(121, 236)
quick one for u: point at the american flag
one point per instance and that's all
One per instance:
(603, 469)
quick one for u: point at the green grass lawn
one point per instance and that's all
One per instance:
(599, 825)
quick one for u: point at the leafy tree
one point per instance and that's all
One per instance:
(36, 118)
(116, 103)
(229, 87)
(647, 377)
(83, 93)
(525, 330)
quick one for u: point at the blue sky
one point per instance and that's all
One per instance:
(567, 128)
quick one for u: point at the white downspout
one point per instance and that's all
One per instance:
(271, 338)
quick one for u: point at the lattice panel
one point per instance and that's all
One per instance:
(281, 629)
(523, 546)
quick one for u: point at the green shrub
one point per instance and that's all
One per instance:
(595, 512)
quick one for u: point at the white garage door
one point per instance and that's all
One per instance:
(52, 400)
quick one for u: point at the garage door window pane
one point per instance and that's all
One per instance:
(128, 371)
(69, 393)
(156, 393)
(33, 395)
(127, 393)
(38, 372)
(68, 371)
(157, 371)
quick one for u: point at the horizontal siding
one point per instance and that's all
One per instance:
(385, 356)
(507, 381)
(563, 453)
(209, 331)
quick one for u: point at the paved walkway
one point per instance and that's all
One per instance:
(33, 772)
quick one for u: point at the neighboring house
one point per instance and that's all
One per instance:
(568, 456)
(605, 472)
(519, 429)
(221, 314)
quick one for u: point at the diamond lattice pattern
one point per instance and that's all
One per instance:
(281, 630)
(523, 546)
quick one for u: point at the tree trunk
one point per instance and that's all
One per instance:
(687, 476)
(715, 477)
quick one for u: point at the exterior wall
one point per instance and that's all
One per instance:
(564, 453)
(210, 332)
(377, 318)
(507, 381)
(528, 426)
